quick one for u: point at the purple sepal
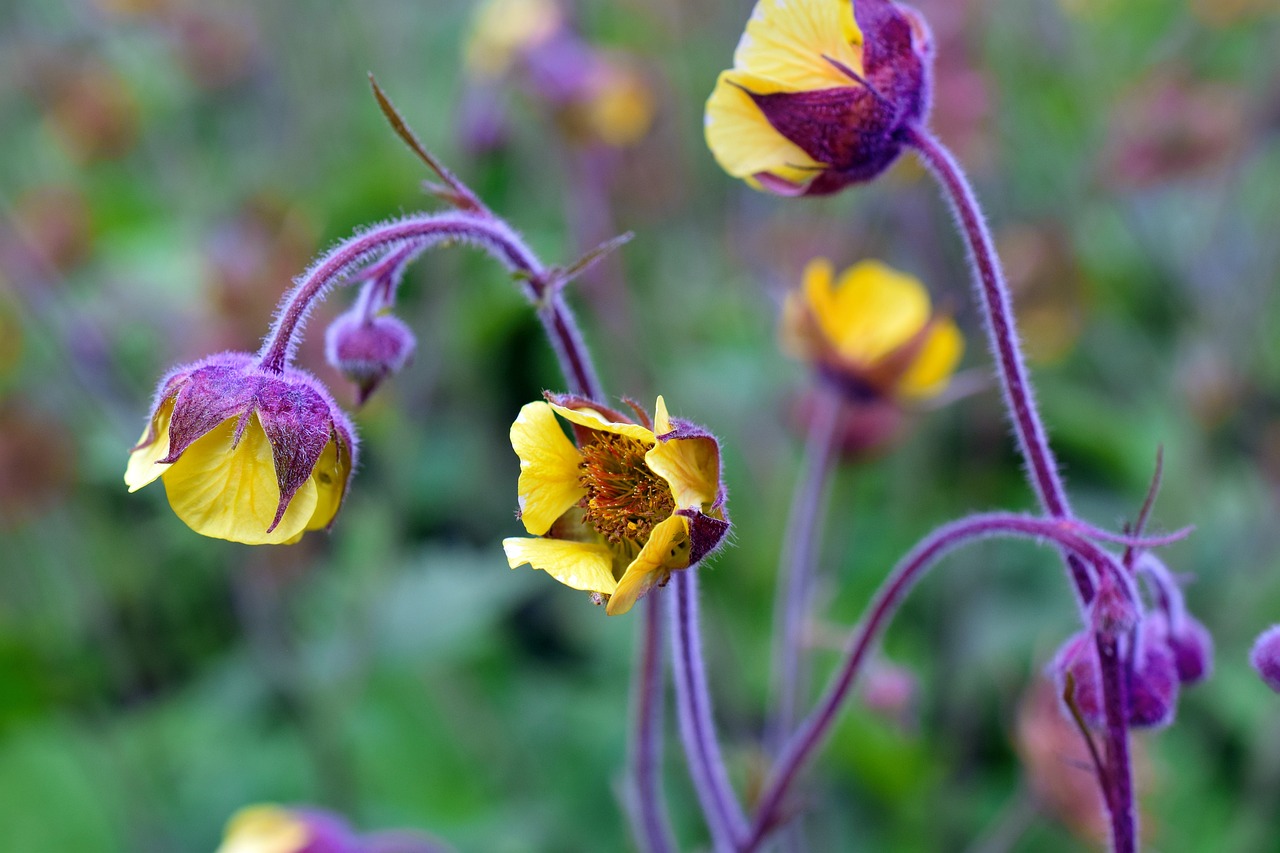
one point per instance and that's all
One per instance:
(327, 833)
(1191, 645)
(855, 131)
(1265, 657)
(298, 424)
(210, 395)
(705, 533)
(368, 349)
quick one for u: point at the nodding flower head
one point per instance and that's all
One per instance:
(1265, 657)
(246, 454)
(1153, 686)
(819, 94)
(871, 332)
(368, 349)
(275, 829)
(621, 510)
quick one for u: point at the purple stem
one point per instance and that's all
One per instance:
(417, 233)
(1042, 467)
(1116, 703)
(1002, 334)
(796, 575)
(804, 743)
(725, 819)
(653, 830)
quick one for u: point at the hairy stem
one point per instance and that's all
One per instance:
(796, 574)
(1119, 798)
(649, 819)
(723, 814)
(805, 742)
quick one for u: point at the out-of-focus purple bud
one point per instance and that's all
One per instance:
(1192, 648)
(368, 349)
(1265, 657)
(1112, 611)
(1153, 689)
(891, 691)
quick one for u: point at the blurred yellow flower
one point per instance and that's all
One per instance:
(621, 511)
(502, 29)
(265, 829)
(871, 331)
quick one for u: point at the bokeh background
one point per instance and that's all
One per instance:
(169, 165)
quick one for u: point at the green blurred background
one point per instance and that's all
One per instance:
(169, 165)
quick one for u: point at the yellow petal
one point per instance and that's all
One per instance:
(691, 467)
(592, 419)
(741, 138)
(786, 40)
(936, 362)
(876, 310)
(330, 476)
(667, 550)
(143, 465)
(580, 565)
(231, 493)
(264, 829)
(549, 482)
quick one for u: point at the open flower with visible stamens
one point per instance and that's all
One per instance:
(621, 510)
(246, 454)
(819, 94)
(871, 332)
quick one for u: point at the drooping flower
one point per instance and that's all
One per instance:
(616, 514)
(871, 332)
(245, 454)
(819, 94)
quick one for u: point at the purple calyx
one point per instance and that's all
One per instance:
(1153, 679)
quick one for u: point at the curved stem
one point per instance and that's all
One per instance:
(419, 231)
(813, 731)
(720, 807)
(796, 574)
(650, 824)
(1002, 334)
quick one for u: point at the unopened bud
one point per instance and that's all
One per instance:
(1265, 657)
(368, 349)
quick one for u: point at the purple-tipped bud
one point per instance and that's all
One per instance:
(1153, 689)
(1192, 648)
(246, 454)
(1265, 657)
(368, 349)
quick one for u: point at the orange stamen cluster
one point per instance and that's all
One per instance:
(624, 499)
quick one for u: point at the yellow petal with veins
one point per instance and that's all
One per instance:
(741, 138)
(787, 40)
(592, 419)
(691, 466)
(549, 482)
(581, 565)
(231, 493)
(667, 550)
(144, 467)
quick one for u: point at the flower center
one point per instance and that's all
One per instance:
(624, 499)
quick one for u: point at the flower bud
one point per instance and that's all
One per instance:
(1192, 647)
(1153, 688)
(246, 454)
(820, 94)
(368, 349)
(1265, 657)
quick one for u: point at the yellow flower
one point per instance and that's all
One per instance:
(245, 455)
(616, 514)
(818, 94)
(871, 331)
(265, 829)
(503, 29)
